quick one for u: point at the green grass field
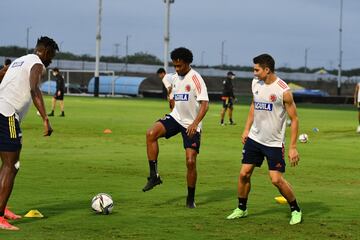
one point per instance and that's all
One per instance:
(59, 176)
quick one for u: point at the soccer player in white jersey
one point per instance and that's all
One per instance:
(167, 79)
(19, 87)
(191, 104)
(264, 135)
(357, 103)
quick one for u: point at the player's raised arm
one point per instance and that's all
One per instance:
(291, 111)
(36, 95)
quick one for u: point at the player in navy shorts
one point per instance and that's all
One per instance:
(173, 127)
(255, 153)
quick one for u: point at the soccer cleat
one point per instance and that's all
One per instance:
(190, 203)
(7, 226)
(358, 129)
(62, 114)
(10, 215)
(51, 114)
(296, 217)
(237, 213)
(152, 182)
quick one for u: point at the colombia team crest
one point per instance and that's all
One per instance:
(187, 88)
(273, 97)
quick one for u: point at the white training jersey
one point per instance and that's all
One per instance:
(269, 123)
(167, 80)
(187, 91)
(15, 97)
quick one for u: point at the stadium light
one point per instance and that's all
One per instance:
(222, 52)
(97, 61)
(340, 51)
(127, 53)
(167, 32)
(306, 59)
(117, 45)
(27, 39)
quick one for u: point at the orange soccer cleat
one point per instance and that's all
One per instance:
(10, 215)
(7, 226)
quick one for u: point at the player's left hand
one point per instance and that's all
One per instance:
(47, 128)
(191, 130)
(294, 157)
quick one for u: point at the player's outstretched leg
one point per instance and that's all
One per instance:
(285, 189)
(152, 135)
(191, 176)
(8, 171)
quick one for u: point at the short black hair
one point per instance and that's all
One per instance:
(160, 70)
(7, 62)
(182, 53)
(47, 43)
(230, 73)
(55, 70)
(265, 60)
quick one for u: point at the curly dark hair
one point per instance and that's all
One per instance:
(182, 53)
(47, 43)
(265, 60)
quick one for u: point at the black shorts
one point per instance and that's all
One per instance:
(227, 102)
(59, 97)
(10, 134)
(173, 127)
(254, 153)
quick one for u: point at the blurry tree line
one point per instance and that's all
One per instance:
(146, 58)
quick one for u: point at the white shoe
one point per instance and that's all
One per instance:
(358, 129)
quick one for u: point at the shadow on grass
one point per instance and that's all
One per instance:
(309, 209)
(205, 198)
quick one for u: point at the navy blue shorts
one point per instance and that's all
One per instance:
(173, 127)
(254, 153)
(10, 134)
(60, 97)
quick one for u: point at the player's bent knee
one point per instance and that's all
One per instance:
(150, 134)
(276, 181)
(245, 176)
(190, 163)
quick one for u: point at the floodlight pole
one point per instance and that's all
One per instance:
(97, 61)
(117, 45)
(340, 51)
(127, 53)
(167, 33)
(27, 39)
(306, 59)
(222, 52)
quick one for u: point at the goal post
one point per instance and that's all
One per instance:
(78, 80)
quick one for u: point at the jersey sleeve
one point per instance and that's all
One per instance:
(200, 88)
(167, 79)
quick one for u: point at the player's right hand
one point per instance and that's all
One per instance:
(244, 136)
(47, 128)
